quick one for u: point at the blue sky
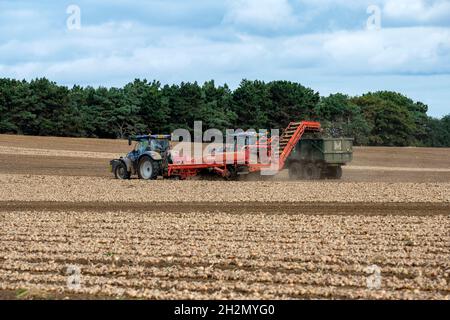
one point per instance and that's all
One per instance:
(323, 44)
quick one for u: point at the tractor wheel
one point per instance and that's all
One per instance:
(148, 169)
(335, 172)
(121, 172)
(295, 171)
(311, 172)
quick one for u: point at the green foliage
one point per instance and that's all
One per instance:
(340, 116)
(145, 102)
(251, 103)
(438, 132)
(21, 293)
(394, 119)
(216, 109)
(416, 111)
(41, 107)
(290, 101)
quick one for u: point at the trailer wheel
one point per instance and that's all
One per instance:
(148, 169)
(295, 171)
(121, 172)
(311, 172)
(335, 172)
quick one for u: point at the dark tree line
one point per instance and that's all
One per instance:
(42, 107)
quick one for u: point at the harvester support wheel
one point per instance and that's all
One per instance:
(121, 172)
(232, 174)
(335, 172)
(295, 171)
(311, 172)
(148, 169)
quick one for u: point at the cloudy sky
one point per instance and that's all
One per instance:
(326, 45)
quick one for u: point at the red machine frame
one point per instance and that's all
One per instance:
(288, 140)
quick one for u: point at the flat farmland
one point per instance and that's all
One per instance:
(382, 232)
(89, 157)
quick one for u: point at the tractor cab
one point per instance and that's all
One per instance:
(148, 159)
(155, 143)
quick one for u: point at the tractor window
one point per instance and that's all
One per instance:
(159, 145)
(141, 146)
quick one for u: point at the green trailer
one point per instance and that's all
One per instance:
(319, 158)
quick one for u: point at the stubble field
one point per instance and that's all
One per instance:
(61, 210)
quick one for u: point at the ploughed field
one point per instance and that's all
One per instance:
(382, 232)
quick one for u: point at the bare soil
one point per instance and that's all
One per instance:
(308, 208)
(369, 163)
(198, 253)
(57, 143)
(276, 239)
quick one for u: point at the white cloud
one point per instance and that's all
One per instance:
(119, 50)
(417, 10)
(115, 52)
(263, 14)
(339, 3)
(399, 50)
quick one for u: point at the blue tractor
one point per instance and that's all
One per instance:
(148, 160)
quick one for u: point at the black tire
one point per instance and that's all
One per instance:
(311, 172)
(335, 172)
(148, 169)
(295, 171)
(121, 172)
(232, 174)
